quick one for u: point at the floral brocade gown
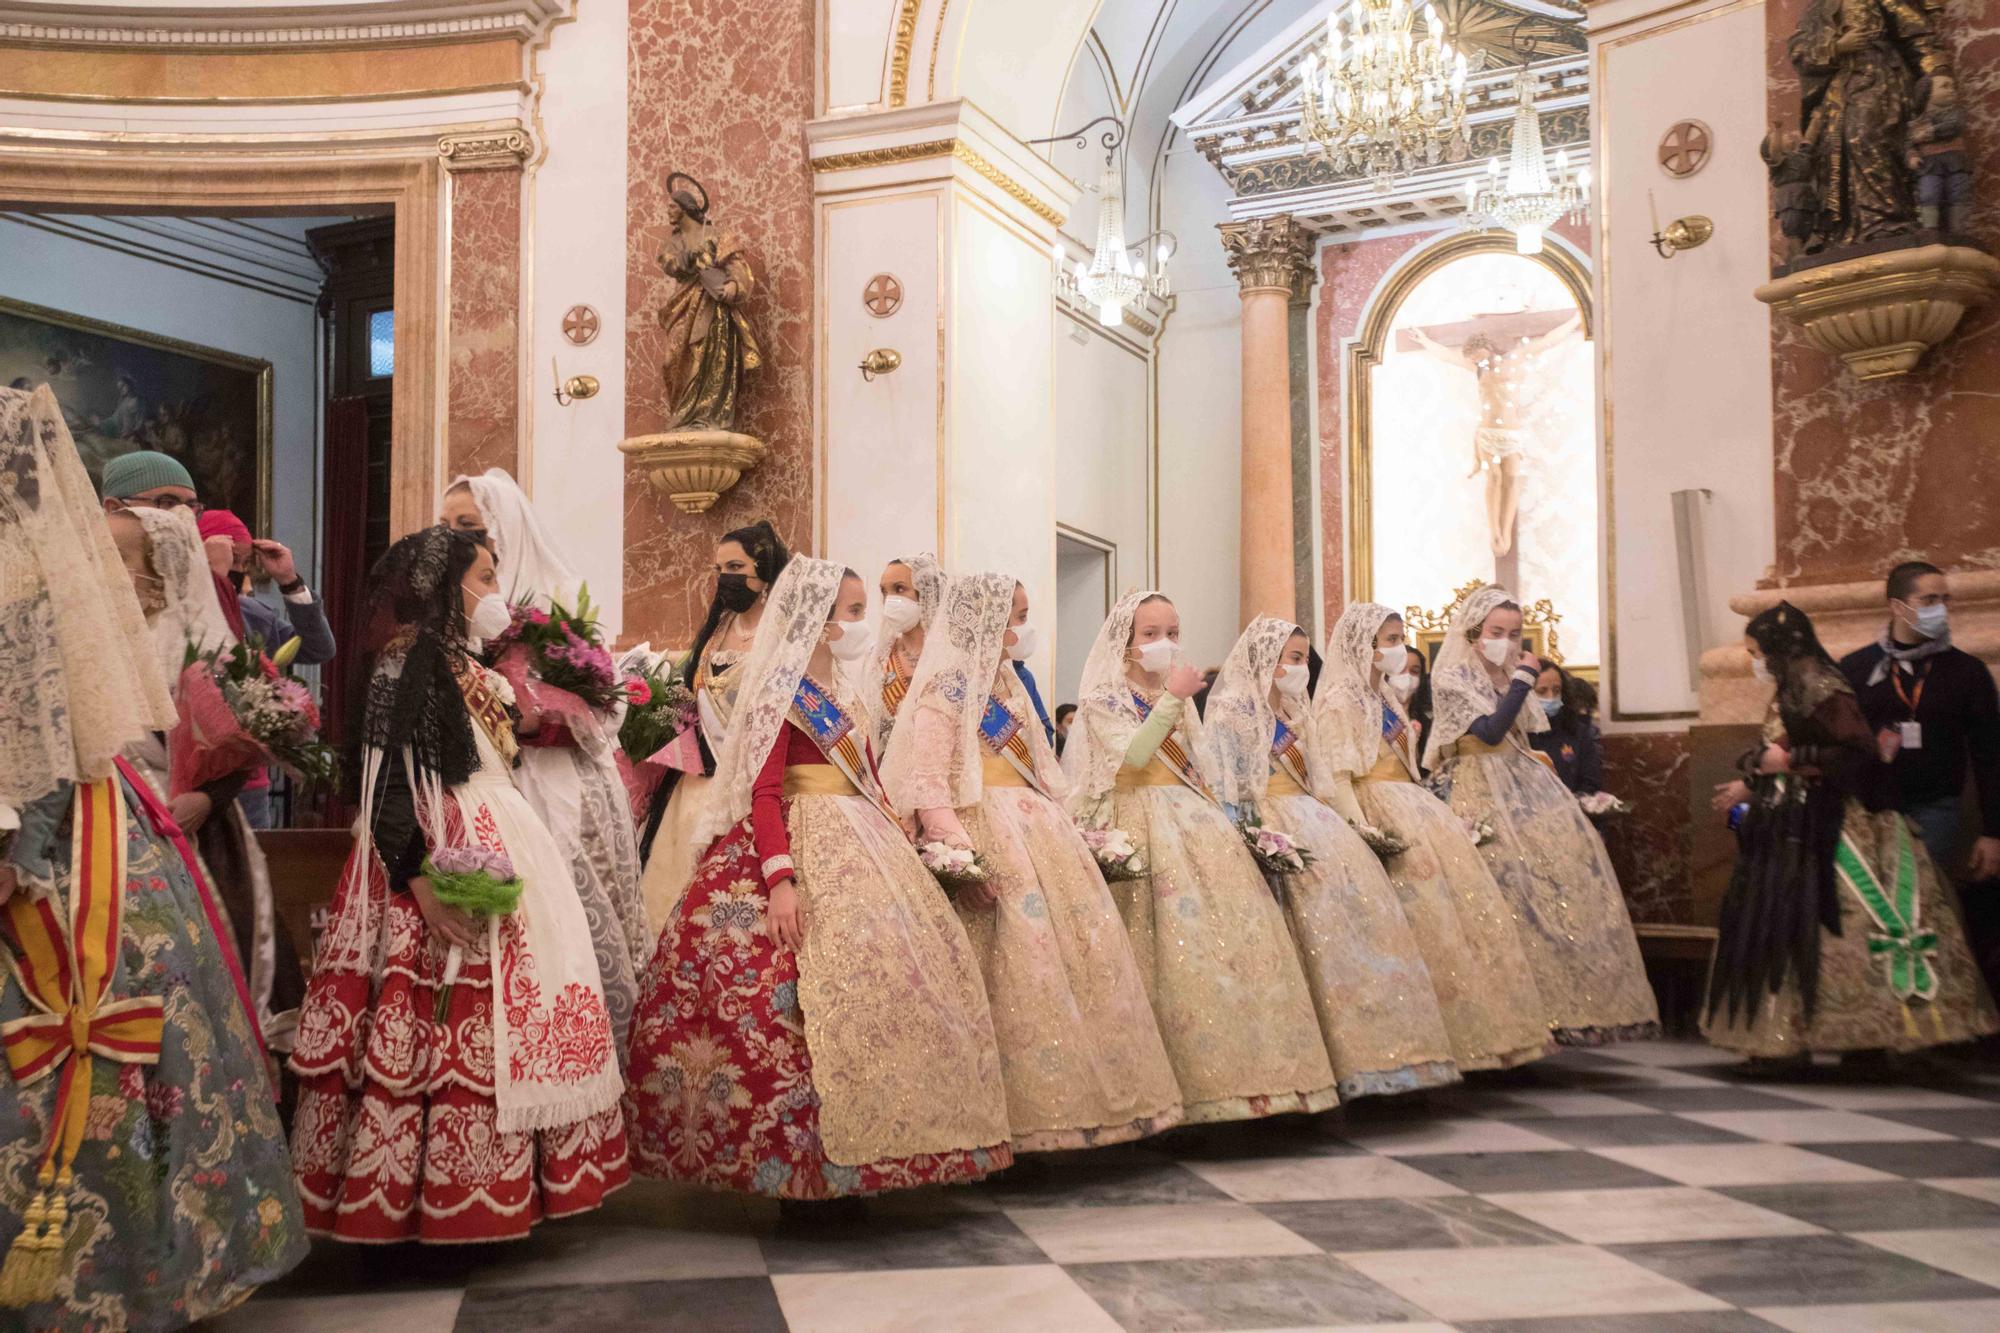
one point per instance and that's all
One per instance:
(863, 1062)
(399, 1132)
(1569, 912)
(1215, 951)
(1079, 1050)
(1378, 1009)
(182, 1202)
(671, 864)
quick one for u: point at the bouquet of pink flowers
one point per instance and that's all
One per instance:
(659, 711)
(1118, 858)
(955, 867)
(1600, 803)
(238, 709)
(564, 649)
(479, 881)
(1276, 853)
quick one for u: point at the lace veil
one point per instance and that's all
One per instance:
(530, 565)
(1347, 711)
(1239, 724)
(1106, 716)
(81, 678)
(961, 667)
(768, 679)
(192, 616)
(1461, 691)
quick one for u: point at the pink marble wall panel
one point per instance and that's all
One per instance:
(483, 392)
(1652, 847)
(1868, 475)
(721, 90)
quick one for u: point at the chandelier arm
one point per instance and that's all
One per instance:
(1109, 140)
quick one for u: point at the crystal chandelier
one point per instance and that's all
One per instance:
(1529, 198)
(1380, 99)
(1117, 274)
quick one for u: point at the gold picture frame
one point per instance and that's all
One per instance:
(121, 386)
(1540, 629)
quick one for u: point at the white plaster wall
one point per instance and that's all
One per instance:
(1685, 351)
(854, 53)
(575, 249)
(1200, 417)
(879, 479)
(1000, 442)
(89, 280)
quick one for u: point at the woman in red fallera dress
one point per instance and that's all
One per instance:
(813, 1024)
(459, 1079)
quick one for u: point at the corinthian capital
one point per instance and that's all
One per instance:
(1270, 253)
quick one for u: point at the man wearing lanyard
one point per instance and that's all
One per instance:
(1936, 714)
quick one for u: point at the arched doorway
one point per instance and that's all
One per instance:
(1472, 444)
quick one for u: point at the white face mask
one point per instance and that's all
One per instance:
(899, 616)
(852, 645)
(1156, 656)
(1291, 680)
(1024, 644)
(1390, 660)
(489, 617)
(1404, 683)
(1761, 669)
(1499, 651)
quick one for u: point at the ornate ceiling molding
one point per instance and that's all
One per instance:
(221, 25)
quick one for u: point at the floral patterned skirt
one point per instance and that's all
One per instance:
(183, 1202)
(397, 1133)
(723, 1080)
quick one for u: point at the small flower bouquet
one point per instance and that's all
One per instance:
(564, 650)
(1381, 841)
(1118, 858)
(1479, 830)
(1601, 803)
(955, 867)
(1276, 853)
(478, 881)
(659, 711)
(239, 706)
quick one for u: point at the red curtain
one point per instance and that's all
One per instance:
(343, 558)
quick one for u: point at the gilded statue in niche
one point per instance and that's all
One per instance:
(1877, 156)
(710, 344)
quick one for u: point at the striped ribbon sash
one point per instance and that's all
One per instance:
(1000, 732)
(1286, 755)
(1907, 950)
(65, 968)
(1173, 754)
(895, 685)
(820, 716)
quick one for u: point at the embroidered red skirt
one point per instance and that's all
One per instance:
(397, 1133)
(721, 1081)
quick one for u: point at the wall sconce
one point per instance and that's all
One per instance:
(573, 388)
(880, 362)
(1681, 234)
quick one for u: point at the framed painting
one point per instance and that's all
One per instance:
(123, 389)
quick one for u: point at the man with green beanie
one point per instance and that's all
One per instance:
(147, 479)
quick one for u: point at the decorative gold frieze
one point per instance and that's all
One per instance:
(896, 154)
(899, 55)
(1272, 252)
(485, 150)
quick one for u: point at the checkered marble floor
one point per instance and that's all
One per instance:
(1639, 1188)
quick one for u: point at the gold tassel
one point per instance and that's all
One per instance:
(1910, 1023)
(21, 1276)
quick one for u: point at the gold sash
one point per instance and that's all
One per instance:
(1388, 768)
(997, 770)
(818, 780)
(1471, 744)
(1154, 774)
(1282, 783)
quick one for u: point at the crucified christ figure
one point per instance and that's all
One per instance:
(1504, 393)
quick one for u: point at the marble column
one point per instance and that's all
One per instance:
(1272, 259)
(483, 391)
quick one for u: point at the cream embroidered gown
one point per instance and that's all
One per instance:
(1079, 1050)
(671, 865)
(1211, 941)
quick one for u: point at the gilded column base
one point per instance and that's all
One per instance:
(1880, 313)
(693, 467)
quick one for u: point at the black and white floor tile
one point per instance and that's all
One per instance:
(1641, 1188)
